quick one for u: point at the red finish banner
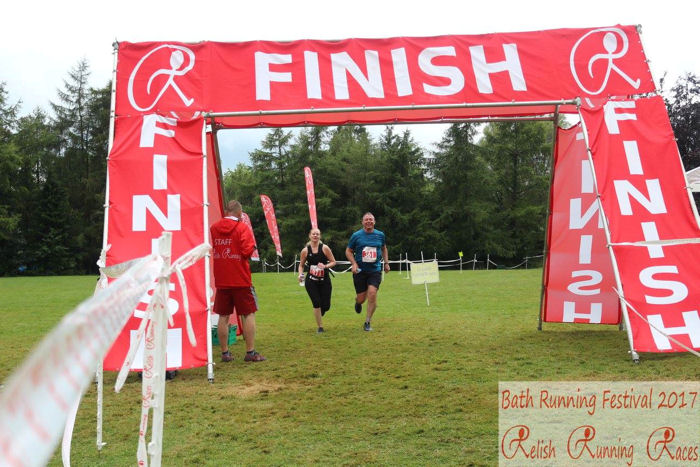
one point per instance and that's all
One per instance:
(156, 184)
(184, 79)
(642, 189)
(579, 278)
(311, 197)
(269, 211)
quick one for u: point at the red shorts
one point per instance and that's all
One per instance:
(243, 299)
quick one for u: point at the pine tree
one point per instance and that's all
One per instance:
(37, 144)
(9, 166)
(402, 205)
(82, 123)
(519, 154)
(461, 197)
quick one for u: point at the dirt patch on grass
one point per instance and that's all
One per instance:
(262, 387)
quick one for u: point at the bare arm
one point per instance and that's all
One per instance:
(302, 261)
(350, 255)
(329, 254)
(385, 255)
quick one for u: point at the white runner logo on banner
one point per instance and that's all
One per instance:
(177, 60)
(610, 44)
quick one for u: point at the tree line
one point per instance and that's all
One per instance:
(52, 180)
(485, 196)
(483, 189)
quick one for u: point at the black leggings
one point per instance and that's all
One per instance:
(320, 293)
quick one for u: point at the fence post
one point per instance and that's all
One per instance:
(408, 269)
(474, 263)
(488, 260)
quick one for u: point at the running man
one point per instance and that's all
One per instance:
(366, 251)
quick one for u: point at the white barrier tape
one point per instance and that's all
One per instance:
(154, 363)
(183, 262)
(70, 421)
(36, 400)
(191, 257)
(115, 271)
(68, 433)
(186, 302)
(133, 348)
(152, 383)
(629, 305)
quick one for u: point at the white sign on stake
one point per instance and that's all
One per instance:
(425, 273)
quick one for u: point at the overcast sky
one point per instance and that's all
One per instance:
(42, 41)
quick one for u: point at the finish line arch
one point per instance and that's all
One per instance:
(169, 97)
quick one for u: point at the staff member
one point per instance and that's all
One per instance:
(233, 244)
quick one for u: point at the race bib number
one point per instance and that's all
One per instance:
(316, 271)
(369, 254)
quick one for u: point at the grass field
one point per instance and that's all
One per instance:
(421, 389)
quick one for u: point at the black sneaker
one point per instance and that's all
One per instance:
(367, 327)
(320, 330)
(358, 308)
(226, 356)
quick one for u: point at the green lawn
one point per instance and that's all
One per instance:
(421, 389)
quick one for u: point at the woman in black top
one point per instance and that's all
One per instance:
(316, 258)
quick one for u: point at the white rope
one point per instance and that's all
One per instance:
(449, 260)
(441, 263)
(341, 272)
(292, 265)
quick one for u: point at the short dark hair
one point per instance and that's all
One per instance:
(233, 207)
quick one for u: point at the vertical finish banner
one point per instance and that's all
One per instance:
(269, 211)
(653, 227)
(156, 177)
(311, 197)
(579, 278)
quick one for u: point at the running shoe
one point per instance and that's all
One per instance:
(367, 327)
(254, 357)
(358, 308)
(226, 356)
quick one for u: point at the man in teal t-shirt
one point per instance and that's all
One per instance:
(366, 251)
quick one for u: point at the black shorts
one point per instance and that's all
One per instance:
(319, 293)
(362, 280)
